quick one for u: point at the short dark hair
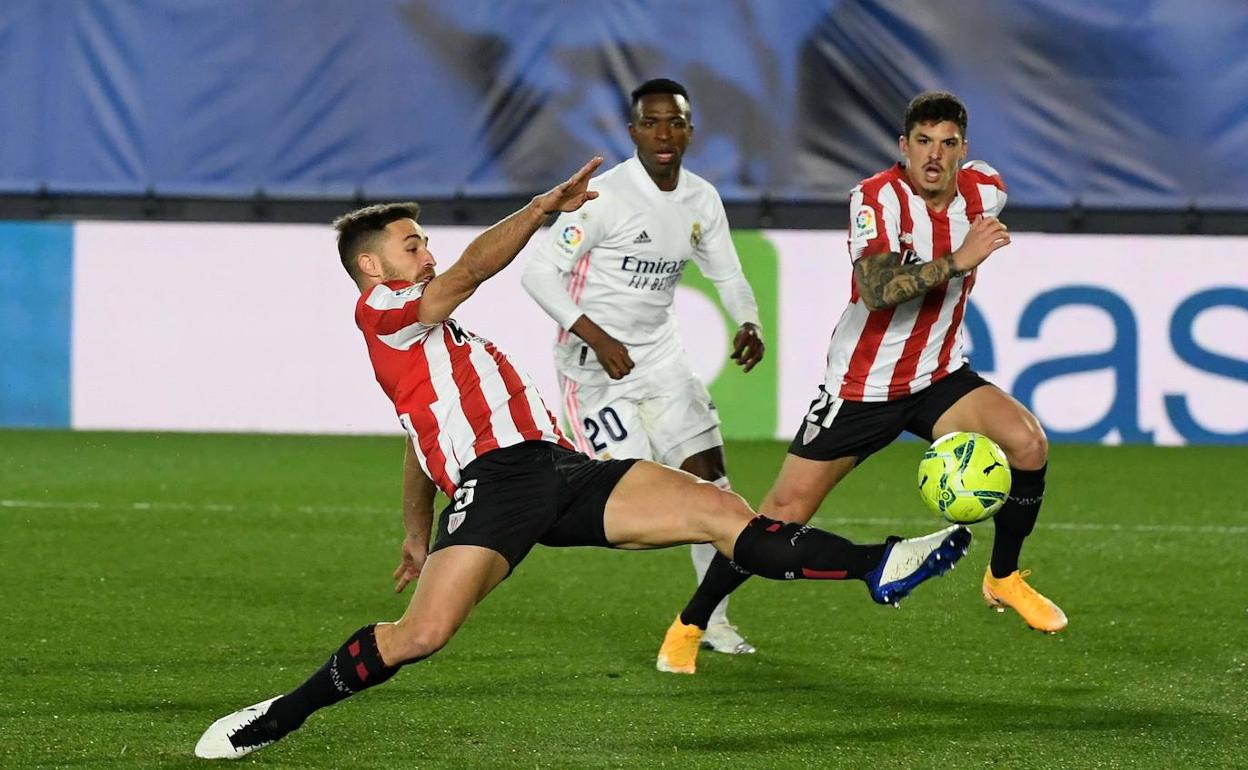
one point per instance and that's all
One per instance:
(655, 86)
(357, 228)
(934, 107)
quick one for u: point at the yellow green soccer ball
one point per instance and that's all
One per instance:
(964, 477)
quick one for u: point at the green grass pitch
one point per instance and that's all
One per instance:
(152, 583)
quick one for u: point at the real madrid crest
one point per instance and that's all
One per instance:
(695, 235)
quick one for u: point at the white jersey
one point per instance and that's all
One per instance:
(618, 259)
(882, 355)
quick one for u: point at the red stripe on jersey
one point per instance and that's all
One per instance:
(968, 186)
(908, 362)
(390, 320)
(951, 335)
(554, 425)
(424, 423)
(979, 177)
(855, 380)
(471, 399)
(518, 400)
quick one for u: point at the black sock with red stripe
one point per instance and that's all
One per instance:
(722, 578)
(781, 551)
(356, 666)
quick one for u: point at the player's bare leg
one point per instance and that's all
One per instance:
(795, 496)
(802, 485)
(454, 579)
(653, 506)
(997, 415)
(719, 634)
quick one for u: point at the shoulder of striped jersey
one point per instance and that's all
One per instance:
(982, 173)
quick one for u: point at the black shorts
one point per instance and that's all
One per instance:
(836, 428)
(536, 492)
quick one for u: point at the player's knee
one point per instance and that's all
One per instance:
(1031, 450)
(724, 505)
(421, 641)
(787, 502)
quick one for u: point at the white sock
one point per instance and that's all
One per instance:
(702, 554)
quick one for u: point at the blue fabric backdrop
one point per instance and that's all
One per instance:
(1119, 103)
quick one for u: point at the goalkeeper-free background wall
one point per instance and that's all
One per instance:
(227, 327)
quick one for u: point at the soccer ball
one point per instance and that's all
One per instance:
(964, 477)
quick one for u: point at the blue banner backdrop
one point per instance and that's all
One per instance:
(1119, 103)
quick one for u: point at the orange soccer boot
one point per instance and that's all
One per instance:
(1012, 591)
(679, 653)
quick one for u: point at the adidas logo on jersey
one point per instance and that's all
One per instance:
(643, 238)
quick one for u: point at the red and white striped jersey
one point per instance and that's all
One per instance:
(457, 395)
(882, 355)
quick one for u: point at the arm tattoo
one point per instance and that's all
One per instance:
(884, 282)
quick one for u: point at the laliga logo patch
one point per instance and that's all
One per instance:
(864, 223)
(572, 236)
(695, 235)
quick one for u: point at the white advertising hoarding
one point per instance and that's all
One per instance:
(226, 327)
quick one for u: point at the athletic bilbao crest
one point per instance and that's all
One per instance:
(463, 498)
(812, 430)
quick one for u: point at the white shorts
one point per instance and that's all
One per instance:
(665, 415)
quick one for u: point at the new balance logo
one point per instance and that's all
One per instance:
(643, 238)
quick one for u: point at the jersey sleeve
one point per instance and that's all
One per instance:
(546, 274)
(392, 313)
(874, 222)
(718, 260)
(991, 186)
(573, 234)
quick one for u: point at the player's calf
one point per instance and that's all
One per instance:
(791, 551)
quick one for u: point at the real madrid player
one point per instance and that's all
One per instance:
(918, 232)
(607, 274)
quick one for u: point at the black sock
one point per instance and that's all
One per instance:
(722, 578)
(356, 666)
(782, 551)
(1016, 519)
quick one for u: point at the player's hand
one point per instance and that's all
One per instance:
(572, 194)
(614, 357)
(411, 562)
(748, 347)
(987, 234)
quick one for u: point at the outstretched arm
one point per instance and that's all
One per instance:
(495, 248)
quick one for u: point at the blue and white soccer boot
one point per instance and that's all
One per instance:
(907, 563)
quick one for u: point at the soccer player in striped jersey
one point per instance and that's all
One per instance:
(917, 234)
(479, 431)
(607, 275)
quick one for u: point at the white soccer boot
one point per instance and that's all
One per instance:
(236, 735)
